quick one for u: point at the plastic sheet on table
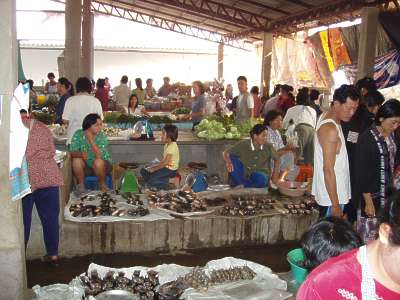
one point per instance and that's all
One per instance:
(265, 285)
(155, 214)
(240, 290)
(70, 291)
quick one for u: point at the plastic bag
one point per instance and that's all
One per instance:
(59, 292)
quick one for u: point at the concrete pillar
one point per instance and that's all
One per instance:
(220, 61)
(87, 40)
(266, 64)
(367, 45)
(72, 55)
(12, 248)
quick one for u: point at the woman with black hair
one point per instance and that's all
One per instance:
(50, 86)
(89, 153)
(304, 118)
(248, 162)
(139, 91)
(375, 160)
(102, 94)
(287, 153)
(65, 89)
(369, 272)
(134, 108)
(327, 238)
(157, 176)
(45, 179)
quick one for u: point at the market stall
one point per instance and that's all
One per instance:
(227, 278)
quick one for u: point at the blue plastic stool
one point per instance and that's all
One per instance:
(92, 182)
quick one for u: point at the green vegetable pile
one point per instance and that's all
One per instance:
(217, 128)
(181, 111)
(120, 118)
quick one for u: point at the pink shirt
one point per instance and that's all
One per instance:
(257, 105)
(102, 95)
(42, 168)
(339, 278)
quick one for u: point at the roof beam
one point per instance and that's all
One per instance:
(165, 23)
(218, 11)
(301, 3)
(291, 23)
(269, 7)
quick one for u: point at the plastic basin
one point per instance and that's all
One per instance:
(295, 257)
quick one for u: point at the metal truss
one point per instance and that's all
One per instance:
(218, 11)
(165, 23)
(305, 20)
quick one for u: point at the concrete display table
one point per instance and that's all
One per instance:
(166, 235)
(191, 149)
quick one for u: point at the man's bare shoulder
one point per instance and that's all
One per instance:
(328, 132)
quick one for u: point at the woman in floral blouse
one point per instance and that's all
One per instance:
(89, 152)
(45, 179)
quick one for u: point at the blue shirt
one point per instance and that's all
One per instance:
(60, 107)
(198, 104)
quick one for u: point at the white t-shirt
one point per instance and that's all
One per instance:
(77, 108)
(300, 114)
(121, 94)
(250, 101)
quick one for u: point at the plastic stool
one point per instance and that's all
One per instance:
(92, 182)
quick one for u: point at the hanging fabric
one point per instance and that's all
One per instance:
(338, 49)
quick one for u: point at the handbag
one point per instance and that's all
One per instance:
(367, 228)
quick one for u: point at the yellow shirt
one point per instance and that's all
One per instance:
(172, 148)
(140, 95)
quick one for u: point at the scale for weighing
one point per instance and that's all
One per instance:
(128, 181)
(142, 130)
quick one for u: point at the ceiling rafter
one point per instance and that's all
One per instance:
(218, 11)
(301, 3)
(165, 23)
(304, 20)
(265, 6)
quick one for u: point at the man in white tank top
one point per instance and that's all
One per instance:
(331, 182)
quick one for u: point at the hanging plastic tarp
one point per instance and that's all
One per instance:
(19, 179)
(294, 63)
(386, 70)
(391, 22)
(315, 43)
(21, 74)
(351, 38)
(340, 56)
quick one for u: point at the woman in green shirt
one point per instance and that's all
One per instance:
(89, 152)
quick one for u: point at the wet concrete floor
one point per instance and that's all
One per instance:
(273, 256)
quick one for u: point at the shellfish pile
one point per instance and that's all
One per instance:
(242, 206)
(111, 131)
(180, 202)
(144, 287)
(198, 279)
(303, 208)
(107, 207)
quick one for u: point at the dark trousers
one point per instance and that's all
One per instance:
(255, 180)
(306, 133)
(158, 179)
(48, 207)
